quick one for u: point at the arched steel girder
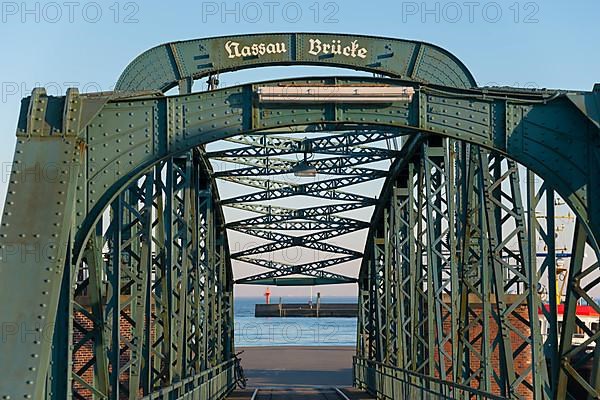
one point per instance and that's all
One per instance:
(346, 143)
(179, 63)
(321, 222)
(532, 129)
(101, 145)
(450, 277)
(151, 305)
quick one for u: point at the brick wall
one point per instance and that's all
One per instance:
(82, 356)
(521, 363)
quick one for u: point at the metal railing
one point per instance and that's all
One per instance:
(214, 383)
(388, 382)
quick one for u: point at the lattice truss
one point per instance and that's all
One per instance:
(132, 293)
(452, 283)
(278, 218)
(152, 304)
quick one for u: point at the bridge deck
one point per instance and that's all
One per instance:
(300, 393)
(298, 372)
(298, 366)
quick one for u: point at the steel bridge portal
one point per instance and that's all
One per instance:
(118, 265)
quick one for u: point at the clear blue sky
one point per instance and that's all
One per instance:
(550, 43)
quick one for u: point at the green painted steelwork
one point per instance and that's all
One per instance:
(115, 240)
(510, 123)
(388, 382)
(176, 63)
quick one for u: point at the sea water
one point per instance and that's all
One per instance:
(290, 331)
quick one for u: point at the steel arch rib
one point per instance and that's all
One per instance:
(165, 66)
(156, 134)
(102, 143)
(526, 133)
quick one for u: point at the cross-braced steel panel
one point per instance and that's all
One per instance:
(116, 270)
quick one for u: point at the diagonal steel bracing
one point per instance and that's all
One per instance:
(332, 166)
(325, 189)
(341, 144)
(441, 293)
(318, 224)
(116, 279)
(154, 323)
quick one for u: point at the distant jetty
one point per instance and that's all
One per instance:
(329, 310)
